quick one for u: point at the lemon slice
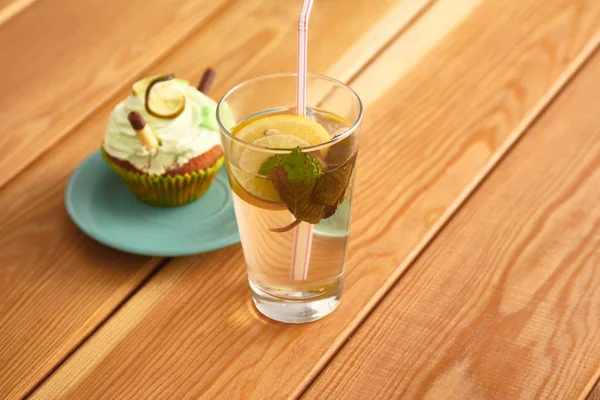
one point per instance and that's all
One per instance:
(164, 99)
(250, 161)
(287, 124)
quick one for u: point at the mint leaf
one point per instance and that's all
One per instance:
(297, 197)
(331, 187)
(300, 167)
(309, 193)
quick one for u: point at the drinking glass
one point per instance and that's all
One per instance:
(296, 274)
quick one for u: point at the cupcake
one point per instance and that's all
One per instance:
(163, 141)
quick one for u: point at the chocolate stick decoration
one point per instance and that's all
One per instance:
(143, 130)
(206, 81)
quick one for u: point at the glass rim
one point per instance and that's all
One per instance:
(313, 147)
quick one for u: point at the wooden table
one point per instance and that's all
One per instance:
(474, 269)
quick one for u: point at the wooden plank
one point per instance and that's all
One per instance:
(504, 304)
(59, 285)
(61, 59)
(200, 336)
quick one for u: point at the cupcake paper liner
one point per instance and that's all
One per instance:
(167, 191)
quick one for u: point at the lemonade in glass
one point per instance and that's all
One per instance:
(292, 182)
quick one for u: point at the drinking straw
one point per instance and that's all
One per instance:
(304, 231)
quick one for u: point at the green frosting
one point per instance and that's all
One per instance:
(190, 134)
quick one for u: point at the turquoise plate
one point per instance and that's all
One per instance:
(102, 206)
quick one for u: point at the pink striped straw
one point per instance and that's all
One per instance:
(302, 57)
(304, 231)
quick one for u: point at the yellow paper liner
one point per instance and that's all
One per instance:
(167, 191)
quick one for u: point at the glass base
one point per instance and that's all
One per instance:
(298, 311)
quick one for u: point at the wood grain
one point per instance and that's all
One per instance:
(505, 302)
(446, 120)
(61, 59)
(57, 285)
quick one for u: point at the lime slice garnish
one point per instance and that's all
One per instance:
(164, 99)
(139, 88)
(250, 161)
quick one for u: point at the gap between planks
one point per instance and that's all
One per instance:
(390, 42)
(563, 80)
